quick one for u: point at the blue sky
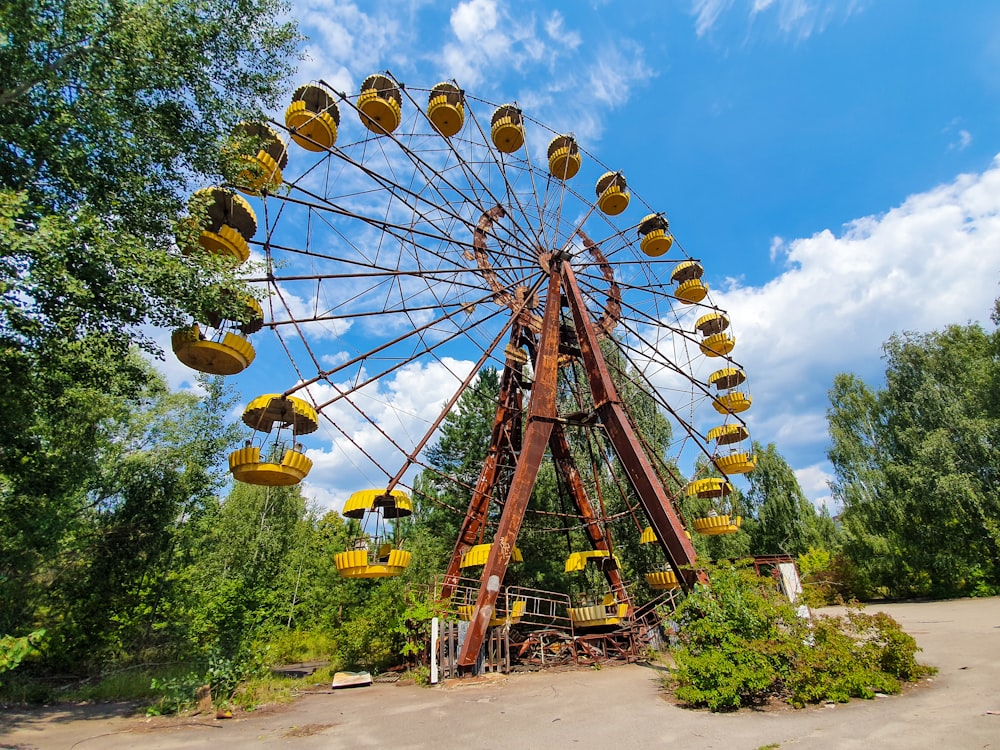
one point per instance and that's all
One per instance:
(833, 164)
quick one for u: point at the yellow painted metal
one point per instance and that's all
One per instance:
(516, 354)
(711, 323)
(445, 109)
(227, 357)
(380, 104)
(313, 117)
(225, 208)
(564, 157)
(578, 560)
(507, 128)
(261, 173)
(718, 525)
(612, 193)
(477, 556)
(271, 409)
(708, 487)
(732, 403)
(656, 243)
(727, 377)
(691, 291)
(246, 466)
(358, 563)
(717, 345)
(598, 615)
(687, 270)
(662, 580)
(727, 434)
(500, 617)
(313, 131)
(227, 241)
(395, 504)
(736, 463)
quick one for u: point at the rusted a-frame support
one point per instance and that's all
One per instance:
(650, 491)
(540, 418)
(505, 433)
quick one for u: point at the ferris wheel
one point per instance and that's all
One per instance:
(424, 232)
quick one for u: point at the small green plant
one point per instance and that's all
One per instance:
(741, 643)
(177, 694)
(15, 650)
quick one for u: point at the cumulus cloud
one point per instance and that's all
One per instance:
(368, 433)
(927, 263)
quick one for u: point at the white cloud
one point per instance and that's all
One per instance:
(473, 20)
(799, 19)
(557, 31)
(927, 263)
(815, 483)
(398, 411)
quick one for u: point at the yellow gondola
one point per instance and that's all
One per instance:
(262, 172)
(591, 615)
(564, 157)
(446, 109)
(373, 557)
(227, 222)
(711, 323)
(727, 377)
(395, 504)
(313, 117)
(662, 580)
(476, 556)
(732, 403)
(608, 612)
(687, 275)
(505, 612)
(380, 104)
(717, 525)
(281, 465)
(708, 487)
(385, 562)
(655, 238)
(612, 193)
(230, 355)
(507, 128)
(717, 345)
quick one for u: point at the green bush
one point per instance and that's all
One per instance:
(742, 643)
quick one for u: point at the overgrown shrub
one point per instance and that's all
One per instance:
(742, 643)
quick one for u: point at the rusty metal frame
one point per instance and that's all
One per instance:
(542, 429)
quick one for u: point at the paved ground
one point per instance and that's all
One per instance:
(617, 707)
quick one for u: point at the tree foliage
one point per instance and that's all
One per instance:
(916, 466)
(786, 522)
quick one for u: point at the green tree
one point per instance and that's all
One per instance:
(916, 465)
(109, 112)
(786, 522)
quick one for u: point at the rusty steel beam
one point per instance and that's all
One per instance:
(664, 520)
(505, 423)
(566, 466)
(540, 419)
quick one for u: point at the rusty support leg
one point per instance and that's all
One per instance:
(504, 423)
(665, 522)
(567, 467)
(541, 416)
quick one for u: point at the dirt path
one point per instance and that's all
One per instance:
(617, 707)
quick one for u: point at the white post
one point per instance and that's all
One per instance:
(434, 651)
